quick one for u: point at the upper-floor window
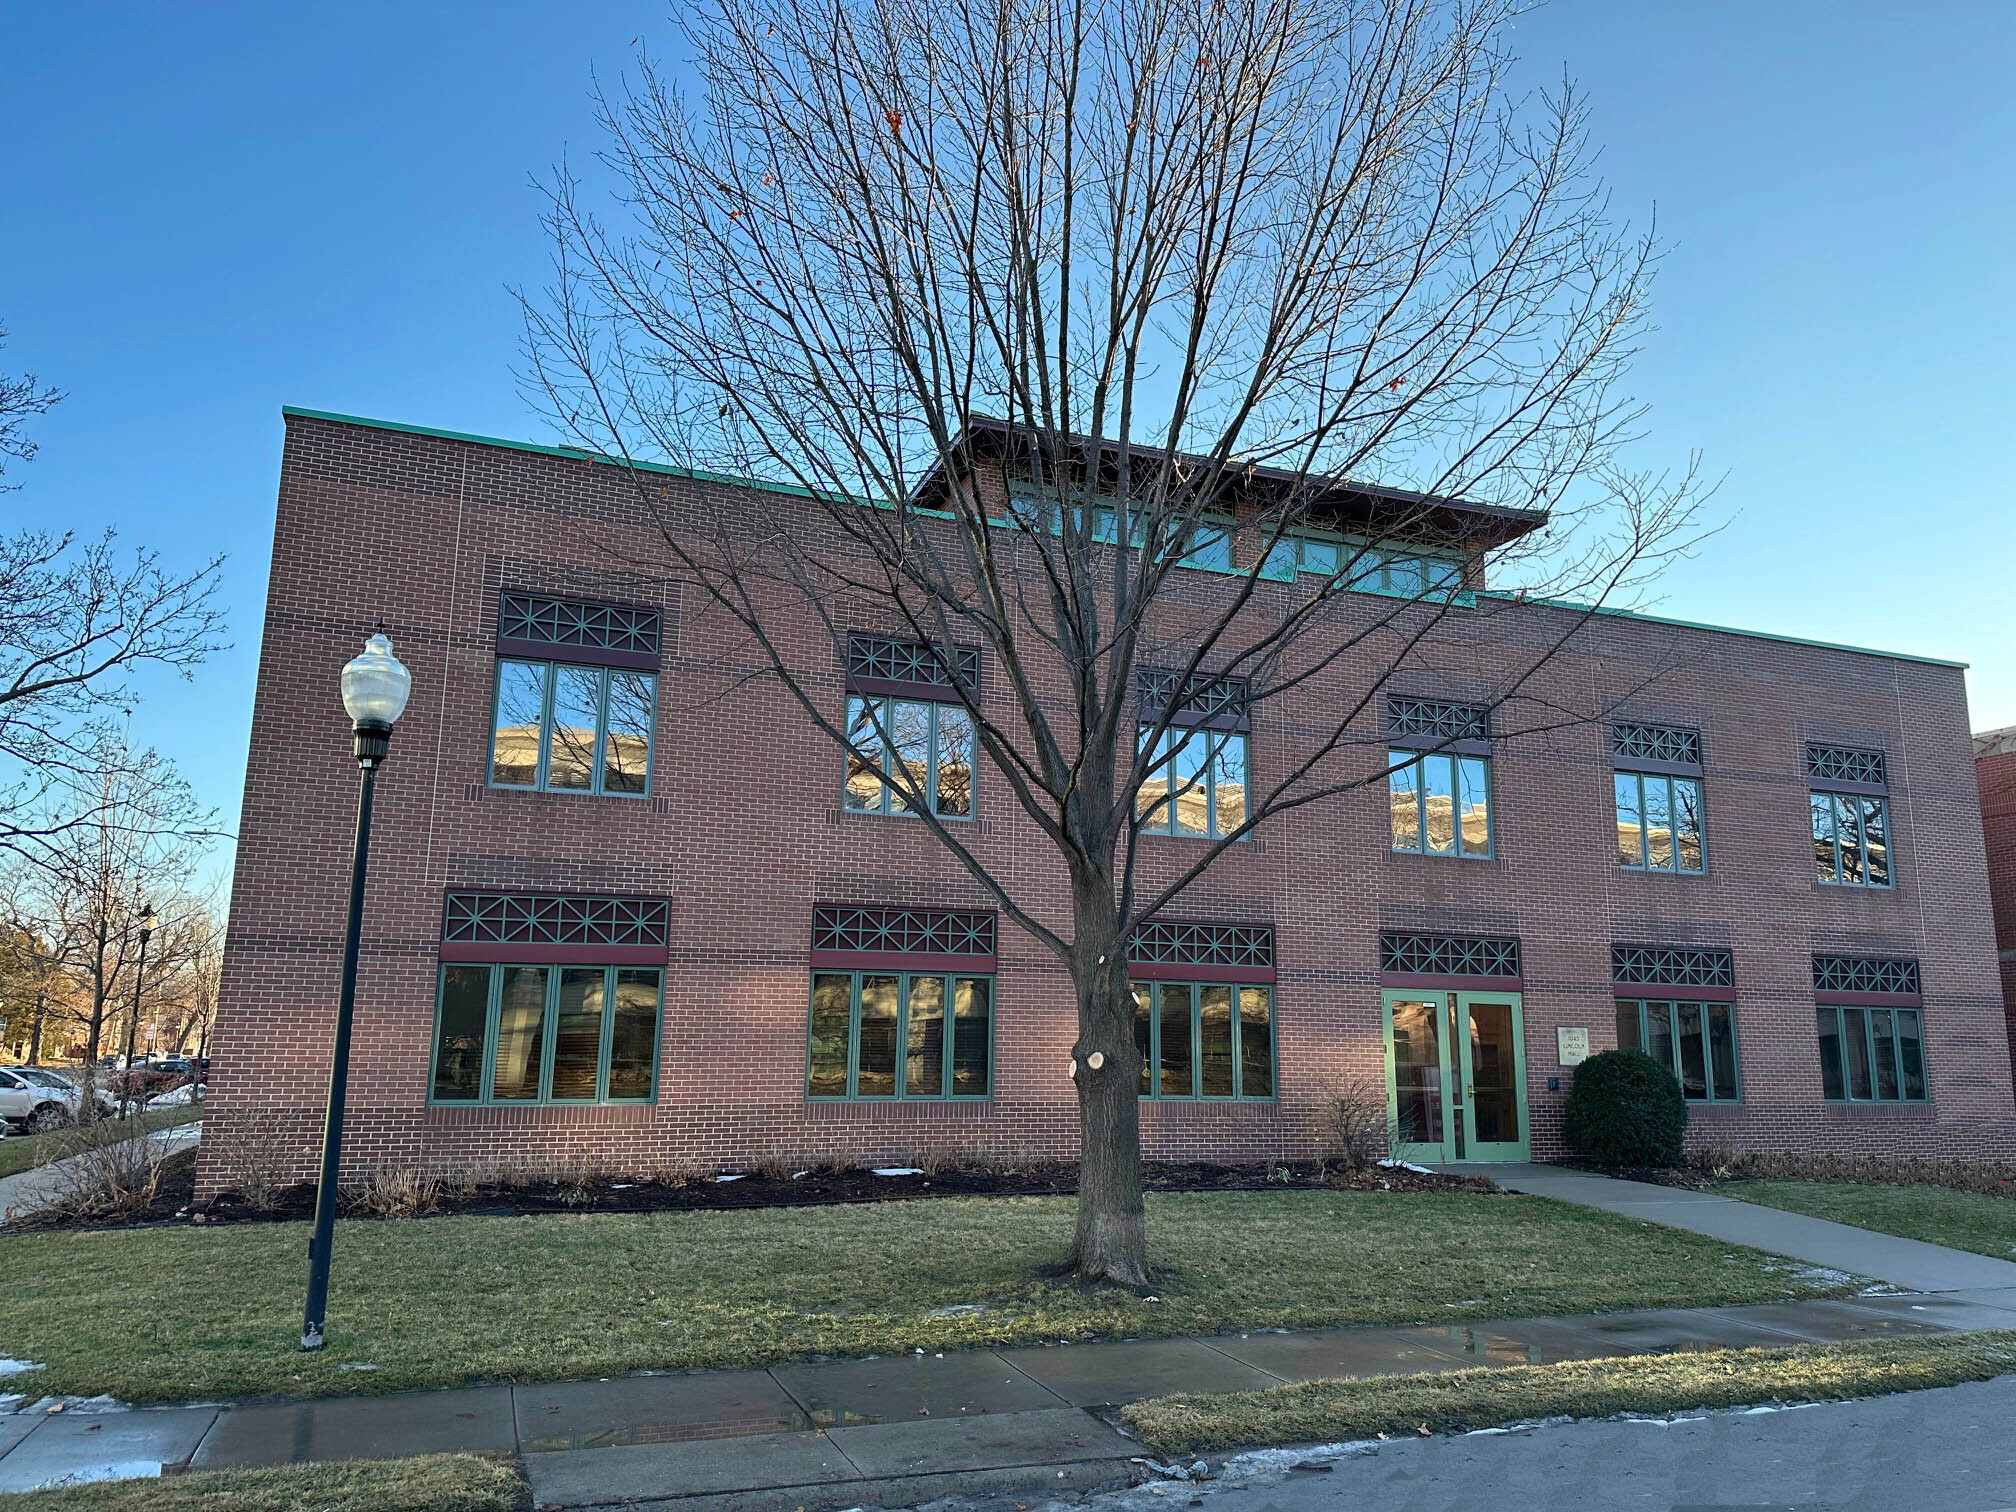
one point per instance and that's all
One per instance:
(1439, 786)
(1364, 569)
(1657, 785)
(903, 717)
(565, 728)
(577, 692)
(1197, 781)
(1849, 807)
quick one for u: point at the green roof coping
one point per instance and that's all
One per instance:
(1683, 624)
(577, 453)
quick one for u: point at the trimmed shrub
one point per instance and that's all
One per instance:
(1625, 1109)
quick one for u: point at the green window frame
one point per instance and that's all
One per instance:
(516, 1035)
(1851, 838)
(1205, 1041)
(1396, 574)
(1419, 781)
(1871, 1055)
(1205, 787)
(1695, 1041)
(879, 1036)
(532, 748)
(936, 739)
(1661, 823)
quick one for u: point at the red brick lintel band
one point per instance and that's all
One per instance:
(534, 954)
(1436, 982)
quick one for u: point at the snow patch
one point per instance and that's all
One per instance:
(104, 1470)
(737, 1176)
(17, 1367)
(899, 1171)
(1406, 1165)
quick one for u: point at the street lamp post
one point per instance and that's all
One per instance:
(375, 688)
(148, 919)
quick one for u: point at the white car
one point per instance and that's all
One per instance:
(35, 1099)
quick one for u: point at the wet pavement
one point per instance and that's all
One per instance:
(889, 1430)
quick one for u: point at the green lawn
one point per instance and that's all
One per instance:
(169, 1313)
(1377, 1406)
(18, 1152)
(432, 1483)
(1938, 1215)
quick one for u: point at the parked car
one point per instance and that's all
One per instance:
(35, 1099)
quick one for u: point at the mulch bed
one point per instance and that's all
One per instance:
(175, 1201)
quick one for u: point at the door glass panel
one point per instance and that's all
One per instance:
(1911, 1053)
(458, 1054)
(1831, 1084)
(1722, 1051)
(577, 701)
(1630, 821)
(1214, 1034)
(972, 1004)
(521, 1034)
(1176, 1047)
(1855, 1044)
(577, 1034)
(633, 1036)
(1417, 1071)
(1404, 795)
(1256, 1042)
(1494, 1088)
(924, 1068)
(1881, 1033)
(1438, 792)
(876, 1074)
(832, 1001)
(1143, 1030)
(1693, 1053)
(521, 703)
(626, 752)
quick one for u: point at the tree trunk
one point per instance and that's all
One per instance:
(1111, 1245)
(35, 1028)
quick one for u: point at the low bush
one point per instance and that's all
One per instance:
(1625, 1109)
(1725, 1162)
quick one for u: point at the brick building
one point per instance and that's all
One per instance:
(1995, 768)
(625, 905)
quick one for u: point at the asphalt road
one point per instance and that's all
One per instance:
(1951, 1450)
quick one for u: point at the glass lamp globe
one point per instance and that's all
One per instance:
(375, 686)
(148, 920)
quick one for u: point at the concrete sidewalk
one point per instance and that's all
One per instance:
(1907, 1263)
(891, 1431)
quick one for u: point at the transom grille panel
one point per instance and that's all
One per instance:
(1644, 742)
(1443, 721)
(1838, 973)
(884, 659)
(1672, 966)
(1844, 764)
(1447, 955)
(902, 931)
(567, 622)
(1204, 696)
(552, 919)
(1172, 943)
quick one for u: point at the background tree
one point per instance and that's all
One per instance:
(77, 621)
(1003, 286)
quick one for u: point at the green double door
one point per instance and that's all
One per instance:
(1456, 1076)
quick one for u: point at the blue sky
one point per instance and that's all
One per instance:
(209, 211)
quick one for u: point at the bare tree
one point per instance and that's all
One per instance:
(1037, 306)
(21, 399)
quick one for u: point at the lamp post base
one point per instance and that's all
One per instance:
(311, 1340)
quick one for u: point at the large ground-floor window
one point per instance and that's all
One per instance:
(1871, 1054)
(546, 1034)
(1204, 1039)
(900, 1034)
(1695, 1041)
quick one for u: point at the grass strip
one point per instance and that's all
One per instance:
(1390, 1405)
(1973, 1221)
(431, 1483)
(556, 1297)
(19, 1152)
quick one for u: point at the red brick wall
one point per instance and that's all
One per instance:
(744, 833)
(1996, 773)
